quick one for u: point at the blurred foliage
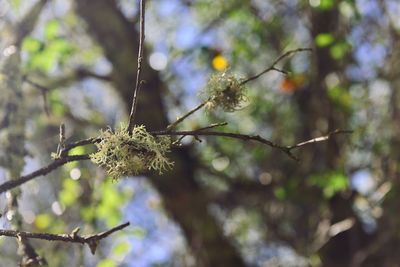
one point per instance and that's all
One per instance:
(261, 196)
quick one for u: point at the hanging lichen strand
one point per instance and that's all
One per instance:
(122, 154)
(224, 90)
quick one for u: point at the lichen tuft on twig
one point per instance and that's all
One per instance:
(226, 91)
(122, 154)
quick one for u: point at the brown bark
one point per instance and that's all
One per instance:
(12, 124)
(183, 198)
(316, 106)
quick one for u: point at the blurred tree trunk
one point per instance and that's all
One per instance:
(12, 123)
(183, 198)
(383, 250)
(319, 113)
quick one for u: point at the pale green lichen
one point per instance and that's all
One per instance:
(224, 90)
(122, 154)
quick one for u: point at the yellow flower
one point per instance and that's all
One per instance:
(220, 63)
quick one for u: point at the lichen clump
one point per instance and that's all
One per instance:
(122, 154)
(226, 91)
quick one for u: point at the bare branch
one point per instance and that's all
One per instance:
(139, 67)
(257, 138)
(82, 73)
(179, 120)
(91, 240)
(272, 67)
(199, 132)
(196, 133)
(43, 171)
(28, 23)
(214, 125)
(320, 139)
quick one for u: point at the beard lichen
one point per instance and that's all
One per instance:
(123, 154)
(224, 90)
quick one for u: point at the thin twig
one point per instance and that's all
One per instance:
(83, 142)
(286, 149)
(42, 171)
(28, 22)
(139, 67)
(61, 143)
(214, 125)
(281, 71)
(43, 91)
(179, 120)
(91, 240)
(320, 139)
(243, 137)
(35, 84)
(272, 67)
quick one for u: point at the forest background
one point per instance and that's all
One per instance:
(224, 202)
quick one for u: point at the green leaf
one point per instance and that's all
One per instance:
(121, 248)
(280, 193)
(51, 29)
(88, 213)
(340, 97)
(43, 221)
(79, 150)
(56, 105)
(31, 45)
(43, 61)
(16, 4)
(330, 183)
(106, 263)
(324, 39)
(70, 192)
(60, 47)
(326, 4)
(138, 232)
(339, 50)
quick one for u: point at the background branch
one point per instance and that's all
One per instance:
(91, 240)
(43, 171)
(272, 67)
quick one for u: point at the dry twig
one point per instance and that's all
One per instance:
(42, 171)
(139, 67)
(91, 240)
(257, 138)
(272, 67)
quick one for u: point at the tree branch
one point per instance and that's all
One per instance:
(179, 120)
(199, 132)
(139, 67)
(43, 171)
(272, 67)
(91, 240)
(28, 22)
(320, 139)
(257, 138)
